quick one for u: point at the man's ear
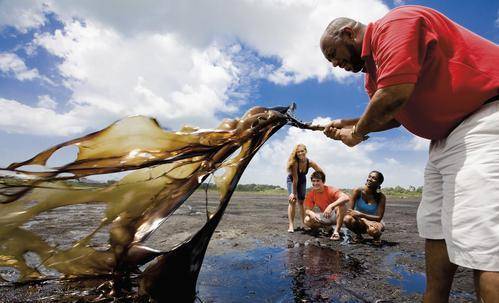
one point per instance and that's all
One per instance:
(347, 33)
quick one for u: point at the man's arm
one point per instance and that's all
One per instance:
(349, 123)
(385, 103)
(342, 199)
(379, 114)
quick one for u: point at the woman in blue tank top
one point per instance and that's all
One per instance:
(367, 207)
(297, 167)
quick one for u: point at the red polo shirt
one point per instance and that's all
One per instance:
(453, 69)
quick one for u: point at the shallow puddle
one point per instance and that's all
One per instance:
(410, 281)
(301, 274)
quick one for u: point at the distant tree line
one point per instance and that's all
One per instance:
(247, 187)
(401, 191)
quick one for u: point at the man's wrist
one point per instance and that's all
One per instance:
(357, 135)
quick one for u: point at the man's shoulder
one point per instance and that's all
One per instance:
(331, 189)
(404, 13)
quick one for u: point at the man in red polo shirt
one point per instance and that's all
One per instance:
(441, 82)
(331, 202)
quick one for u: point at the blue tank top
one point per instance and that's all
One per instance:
(364, 207)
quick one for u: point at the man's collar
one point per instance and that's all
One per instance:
(366, 42)
(321, 190)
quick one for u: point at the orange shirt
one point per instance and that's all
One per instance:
(322, 199)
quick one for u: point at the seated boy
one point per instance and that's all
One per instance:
(331, 201)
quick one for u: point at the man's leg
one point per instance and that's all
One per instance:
(487, 286)
(439, 272)
(311, 223)
(302, 211)
(340, 215)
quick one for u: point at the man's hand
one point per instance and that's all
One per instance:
(292, 198)
(344, 134)
(312, 215)
(328, 212)
(337, 123)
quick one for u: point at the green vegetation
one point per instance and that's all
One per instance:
(403, 193)
(259, 188)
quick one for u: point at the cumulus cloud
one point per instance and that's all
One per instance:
(16, 117)
(112, 75)
(45, 101)
(182, 62)
(419, 144)
(22, 14)
(286, 30)
(12, 64)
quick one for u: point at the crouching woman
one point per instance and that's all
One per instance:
(367, 207)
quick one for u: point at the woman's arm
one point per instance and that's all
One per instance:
(353, 198)
(315, 166)
(379, 214)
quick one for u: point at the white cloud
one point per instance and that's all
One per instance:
(44, 101)
(419, 144)
(113, 76)
(286, 30)
(398, 2)
(10, 63)
(16, 117)
(497, 20)
(392, 161)
(22, 14)
(180, 61)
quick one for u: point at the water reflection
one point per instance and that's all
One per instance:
(301, 274)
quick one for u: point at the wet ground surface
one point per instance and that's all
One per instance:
(252, 258)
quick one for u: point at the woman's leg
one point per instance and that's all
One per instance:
(291, 216)
(353, 224)
(374, 229)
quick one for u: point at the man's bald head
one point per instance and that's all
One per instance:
(333, 29)
(341, 43)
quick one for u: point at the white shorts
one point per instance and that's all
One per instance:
(327, 221)
(461, 191)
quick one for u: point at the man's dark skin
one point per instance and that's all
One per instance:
(341, 45)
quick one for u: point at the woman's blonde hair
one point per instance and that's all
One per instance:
(293, 158)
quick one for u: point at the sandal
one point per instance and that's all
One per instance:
(376, 242)
(335, 237)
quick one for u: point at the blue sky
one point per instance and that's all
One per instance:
(69, 69)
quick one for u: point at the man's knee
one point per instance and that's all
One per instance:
(307, 221)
